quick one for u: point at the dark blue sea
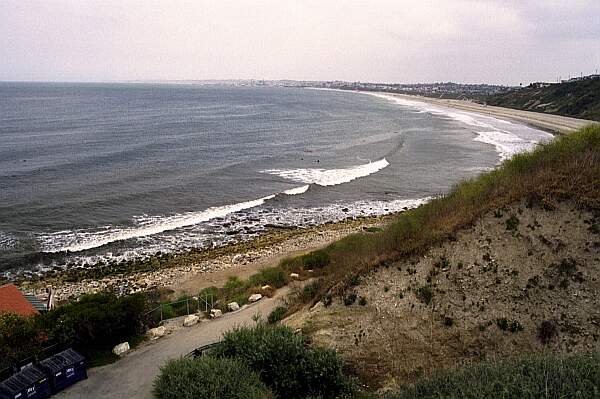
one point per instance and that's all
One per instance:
(110, 172)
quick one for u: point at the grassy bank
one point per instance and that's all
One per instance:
(539, 376)
(568, 168)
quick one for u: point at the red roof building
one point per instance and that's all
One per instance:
(12, 300)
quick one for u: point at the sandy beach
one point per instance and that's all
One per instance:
(214, 267)
(548, 122)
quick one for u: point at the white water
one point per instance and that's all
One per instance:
(297, 190)
(507, 143)
(147, 225)
(297, 217)
(329, 177)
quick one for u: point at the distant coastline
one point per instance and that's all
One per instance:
(269, 246)
(548, 122)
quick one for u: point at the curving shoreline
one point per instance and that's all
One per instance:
(548, 122)
(194, 270)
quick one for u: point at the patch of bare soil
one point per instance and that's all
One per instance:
(520, 280)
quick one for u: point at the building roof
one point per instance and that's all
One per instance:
(12, 300)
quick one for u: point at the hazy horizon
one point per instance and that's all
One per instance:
(465, 41)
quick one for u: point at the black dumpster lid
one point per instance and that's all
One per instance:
(22, 380)
(61, 360)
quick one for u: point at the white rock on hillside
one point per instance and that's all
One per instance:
(233, 306)
(254, 297)
(214, 313)
(190, 320)
(121, 348)
(294, 275)
(156, 333)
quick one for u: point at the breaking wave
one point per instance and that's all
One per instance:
(75, 241)
(329, 177)
(507, 143)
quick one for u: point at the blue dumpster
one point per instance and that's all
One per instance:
(64, 369)
(29, 383)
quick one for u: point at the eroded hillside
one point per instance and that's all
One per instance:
(524, 278)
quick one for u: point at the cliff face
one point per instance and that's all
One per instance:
(525, 278)
(579, 99)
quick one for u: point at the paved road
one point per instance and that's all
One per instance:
(132, 376)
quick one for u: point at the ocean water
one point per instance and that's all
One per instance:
(110, 172)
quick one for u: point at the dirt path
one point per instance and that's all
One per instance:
(132, 376)
(194, 283)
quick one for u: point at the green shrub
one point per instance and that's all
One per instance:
(362, 301)
(315, 260)
(277, 314)
(208, 377)
(534, 376)
(512, 223)
(310, 291)
(273, 276)
(234, 283)
(350, 299)
(20, 337)
(288, 367)
(97, 322)
(208, 292)
(424, 294)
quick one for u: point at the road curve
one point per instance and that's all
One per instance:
(133, 375)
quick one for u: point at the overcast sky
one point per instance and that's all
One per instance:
(496, 41)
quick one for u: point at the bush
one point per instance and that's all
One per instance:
(362, 301)
(512, 223)
(97, 322)
(350, 299)
(536, 376)
(315, 260)
(277, 314)
(424, 294)
(273, 276)
(208, 377)
(20, 337)
(285, 363)
(547, 331)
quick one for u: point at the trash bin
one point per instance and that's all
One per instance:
(64, 369)
(29, 383)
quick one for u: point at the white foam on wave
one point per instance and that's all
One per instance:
(507, 143)
(82, 240)
(7, 241)
(297, 190)
(329, 177)
(257, 220)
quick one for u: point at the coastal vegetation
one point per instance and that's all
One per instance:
(578, 99)
(281, 359)
(209, 377)
(92, 326)
(545, 375)
(566, 168)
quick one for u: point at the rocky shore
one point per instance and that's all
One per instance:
(197, 269)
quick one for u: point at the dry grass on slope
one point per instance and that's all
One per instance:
(568, 168)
